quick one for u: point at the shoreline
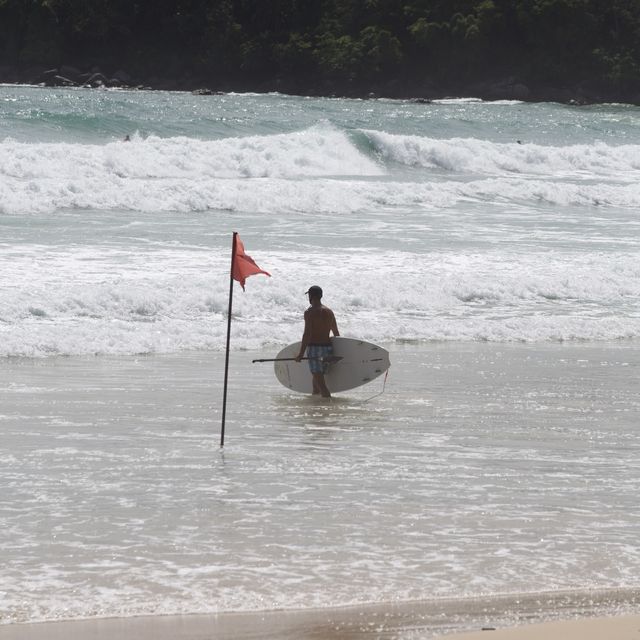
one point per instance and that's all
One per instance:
(563, 615)
(501, 90)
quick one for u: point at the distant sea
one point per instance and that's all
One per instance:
(492, 247)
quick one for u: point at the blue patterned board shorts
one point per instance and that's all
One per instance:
(316, 354)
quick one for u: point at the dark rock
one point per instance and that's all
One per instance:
(96, 80)
(123, 77)
(504, 89)
(555, 94)
(47, 77)
(70, 72)
(60, 81)
(116, 81)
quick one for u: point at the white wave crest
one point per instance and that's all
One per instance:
(318, 170)
(474, 156)
(318, 151)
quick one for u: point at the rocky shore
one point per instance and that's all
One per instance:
(509, 88)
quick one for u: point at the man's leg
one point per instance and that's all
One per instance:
(321, 386)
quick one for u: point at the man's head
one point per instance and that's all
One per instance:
(314, 292)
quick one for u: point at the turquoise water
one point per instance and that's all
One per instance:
(31, 114)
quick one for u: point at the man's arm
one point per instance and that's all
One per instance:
(305, 337)
(334, 325)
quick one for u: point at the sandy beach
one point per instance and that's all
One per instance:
(622, 628)
(403, 621)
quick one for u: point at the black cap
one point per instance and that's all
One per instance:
(314, 291)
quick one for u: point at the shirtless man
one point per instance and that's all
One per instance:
(319, 323)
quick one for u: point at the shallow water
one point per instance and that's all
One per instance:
(481, 469)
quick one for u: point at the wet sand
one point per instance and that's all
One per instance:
(619, 628)
(482, 618)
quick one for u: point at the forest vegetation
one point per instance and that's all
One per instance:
(587, 50)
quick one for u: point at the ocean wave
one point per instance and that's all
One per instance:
(172, 301)
(318, 170)
(314, 196)
(474, 156)
(318, 151)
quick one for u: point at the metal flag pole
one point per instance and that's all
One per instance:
(226, 357)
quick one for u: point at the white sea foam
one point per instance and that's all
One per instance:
(462, 101)
(167, 301)
(96, 299)
(318, 151)
(475, 156)
(322, 195)
(318, 170)
(77, 175)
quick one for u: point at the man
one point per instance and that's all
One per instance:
(319, 323)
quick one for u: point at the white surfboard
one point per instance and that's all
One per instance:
(357, 362)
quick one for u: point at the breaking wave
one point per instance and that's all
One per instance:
(473, 156)
(317, 170)
(144, 307)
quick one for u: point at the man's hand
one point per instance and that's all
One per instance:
(299, 357)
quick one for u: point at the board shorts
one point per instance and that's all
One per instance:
(317, 353)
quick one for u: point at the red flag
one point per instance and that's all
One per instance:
(244, 265)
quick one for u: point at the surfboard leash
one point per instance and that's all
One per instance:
(384, 384)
